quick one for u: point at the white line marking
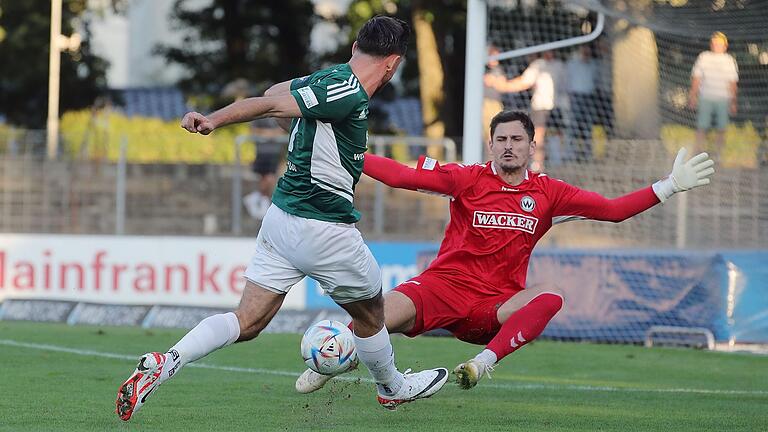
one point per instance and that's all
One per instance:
(504, 386)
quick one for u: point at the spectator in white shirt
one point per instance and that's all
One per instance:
(713, 89)
(546, 76)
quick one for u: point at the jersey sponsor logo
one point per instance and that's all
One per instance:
(363, 114)
(358, 156)
(308, 97)
(500, 220)
(342, 90)
(506, 189)
(527, 203)
(429, 164)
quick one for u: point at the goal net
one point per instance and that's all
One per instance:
(622, 108)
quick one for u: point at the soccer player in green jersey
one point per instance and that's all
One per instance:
(308, 231)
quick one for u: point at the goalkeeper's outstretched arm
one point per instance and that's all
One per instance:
(575, 202)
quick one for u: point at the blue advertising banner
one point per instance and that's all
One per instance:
(617, 295)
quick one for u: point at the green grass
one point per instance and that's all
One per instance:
(546, 386)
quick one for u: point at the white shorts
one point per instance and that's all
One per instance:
(290, 247)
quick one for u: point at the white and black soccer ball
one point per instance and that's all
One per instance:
(328, 347)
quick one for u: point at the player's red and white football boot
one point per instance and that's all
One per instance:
(416, 386)
(470, 372)
(132, 395)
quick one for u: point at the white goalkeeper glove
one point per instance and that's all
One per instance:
(685, 175)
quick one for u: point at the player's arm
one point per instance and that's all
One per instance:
(733, 86)
(582, 204)
(277, 90)
(514, 85)
(576, 202)
(281, 106)
(696, 73)
(302, 99)
(427, 176)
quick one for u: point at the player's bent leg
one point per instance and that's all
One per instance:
(375, 351)
(257, 307)
(399, 312)
(522, 298)
(523, 317)
(399, 317)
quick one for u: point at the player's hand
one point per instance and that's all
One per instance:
(691, 174)
(685, 175)
(195, 122)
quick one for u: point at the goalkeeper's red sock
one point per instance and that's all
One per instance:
(525, 325)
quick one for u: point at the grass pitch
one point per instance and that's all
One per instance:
(57, 377)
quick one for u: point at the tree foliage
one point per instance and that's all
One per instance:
(24, 52)
(448, 21)
(262, 41)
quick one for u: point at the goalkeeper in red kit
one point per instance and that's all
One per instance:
(475, 288)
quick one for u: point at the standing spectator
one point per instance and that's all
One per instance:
(713, 89)
(581, 71)
(270, 153)
(492, 103)
(546, 76)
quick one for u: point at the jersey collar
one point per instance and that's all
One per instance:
(493, 168)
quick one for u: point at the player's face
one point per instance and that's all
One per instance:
(510, 146)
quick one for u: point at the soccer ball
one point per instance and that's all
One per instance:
(328, 348)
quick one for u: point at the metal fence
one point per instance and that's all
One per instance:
(69, 195)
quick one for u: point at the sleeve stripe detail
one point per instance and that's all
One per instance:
(347, 82)
(342, 95)
(354, 85)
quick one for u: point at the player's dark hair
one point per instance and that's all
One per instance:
(382, 36)
(510, 116)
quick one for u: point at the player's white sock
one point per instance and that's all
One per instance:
(377, 354)
(487, 356)
(210, 334)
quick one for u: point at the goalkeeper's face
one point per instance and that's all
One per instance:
(511, 147)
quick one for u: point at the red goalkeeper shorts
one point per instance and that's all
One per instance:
(470, 316)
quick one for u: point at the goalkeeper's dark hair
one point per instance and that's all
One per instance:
(382, 36)
(510, 116)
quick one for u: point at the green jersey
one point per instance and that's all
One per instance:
(326, 147)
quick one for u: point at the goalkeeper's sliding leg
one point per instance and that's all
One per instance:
(523, 318)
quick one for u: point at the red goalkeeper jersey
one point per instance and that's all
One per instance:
(494, 226)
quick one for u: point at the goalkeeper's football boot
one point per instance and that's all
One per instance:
(470, 372)
(132, 395)
(416, 386)
(311, 381)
